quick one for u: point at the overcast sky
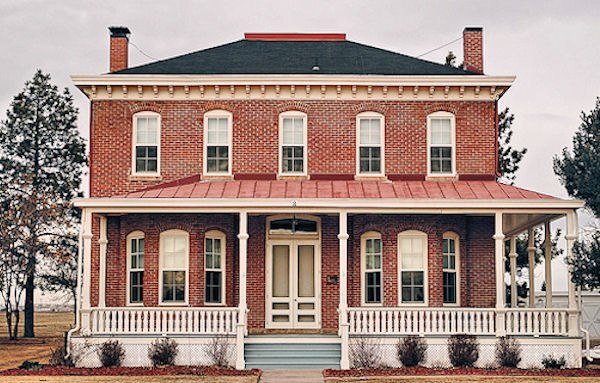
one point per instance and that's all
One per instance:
(551, 46)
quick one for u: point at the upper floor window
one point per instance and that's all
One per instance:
(146, 143)
(174, 253)
(135, 267)
(372, 269)
(441, 143)
(292, 143)
(450, 261)
(412, 249)
(217, 142)
(370, 143)
(214, 267)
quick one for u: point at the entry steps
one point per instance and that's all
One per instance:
(269, 353)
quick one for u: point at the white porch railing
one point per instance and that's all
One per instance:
(536, 322)
(162, 320)
(445, 321)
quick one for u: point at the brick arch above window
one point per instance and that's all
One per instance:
(137, 107)
(370, 107)
(216, 105)
(443, 107)
(183, 226)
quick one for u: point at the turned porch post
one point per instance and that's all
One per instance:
(513, 271)
(548, 263)
(102, 244)
(572, 231)
(243, 236)
(499, 256)
(531, 255)
(86, 302)
(343, 307)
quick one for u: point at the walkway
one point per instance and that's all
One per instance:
(292, 376)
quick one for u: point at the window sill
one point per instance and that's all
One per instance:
(370, 177)
(135, 305)
(217, 177)
(292, 177)
(442, 177)
(215, 304)
(145, 177)
(173, 304)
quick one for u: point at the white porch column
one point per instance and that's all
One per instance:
(572, 235)
(548, 263)
(343, 307)
(86, 227)
(102, 242)
(531, 255)
(499, 256)
(513, 271)
(243, 236)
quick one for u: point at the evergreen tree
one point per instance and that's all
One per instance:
(585, 263)
(508, 157)
(42, 159)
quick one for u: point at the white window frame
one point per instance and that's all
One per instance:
(293, 114)
(423, 236)
(134, 144)
(371, 115)
(134, 235)
(442, 116)
(216, 234)
(174, 232)
(218, 113)
(363, 268)
(454, 236)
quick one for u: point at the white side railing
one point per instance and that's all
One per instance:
(446, 321)
(421, 321)
(162, 320)
(524, 321)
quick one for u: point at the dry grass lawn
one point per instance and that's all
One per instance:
(49, 330)
(464, 379)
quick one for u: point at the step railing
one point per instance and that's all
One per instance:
(537, 321)
(164, 321)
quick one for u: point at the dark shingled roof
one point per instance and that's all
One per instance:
(295, 57)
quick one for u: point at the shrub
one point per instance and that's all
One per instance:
(508, 352)
(58, 357)
(551, 361)
(162, 352)
(365, 354)
(218, 351)
(30, 366)
(463, 350)
(411, 351)
(111, 354)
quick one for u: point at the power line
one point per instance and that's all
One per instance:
(440, 47)
(142, 52)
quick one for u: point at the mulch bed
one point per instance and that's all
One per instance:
(48, 370)
(424, 371)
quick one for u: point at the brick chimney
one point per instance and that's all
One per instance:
(473, 49)
(119, 48)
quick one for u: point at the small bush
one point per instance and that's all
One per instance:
(162, 352)
(551, 361)
(111, 354)
(508, 352)
(218, 351)
(58, 357)
(365, 354)
(30, 366)
(463, 350)
(411, 351)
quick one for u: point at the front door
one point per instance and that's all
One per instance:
(293, 285)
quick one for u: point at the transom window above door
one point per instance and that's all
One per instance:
(293, 226)
(292, 142)
(217, 142)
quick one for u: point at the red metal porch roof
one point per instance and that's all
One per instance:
(469, 190)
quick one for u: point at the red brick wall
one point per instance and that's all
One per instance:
(476, 246)
(331, 138)
(473, 49)
(119, 55)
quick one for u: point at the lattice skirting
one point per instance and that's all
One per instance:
(192, 351)
(533, 350)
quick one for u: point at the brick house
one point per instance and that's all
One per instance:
(294, 193)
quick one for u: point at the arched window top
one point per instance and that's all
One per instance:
(371, 234)
(413, 233)
(441, 114)
(136, 234)
(174, 232)
(214, 234)
(143, 113)
(218, 113)
(293, 113)
(370, 113)
(451, 234)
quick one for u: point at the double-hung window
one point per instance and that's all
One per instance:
(135, 265)
(450, 260)
(441, 139)
(217, 142)
(372, 268)
(214, 267)
(370, 139)
(174, 249)
(413, 266)
(292, 139)
(146, 144)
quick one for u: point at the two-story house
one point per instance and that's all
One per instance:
(292, 193)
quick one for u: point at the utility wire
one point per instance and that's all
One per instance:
(440, 47)
(142, 52)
